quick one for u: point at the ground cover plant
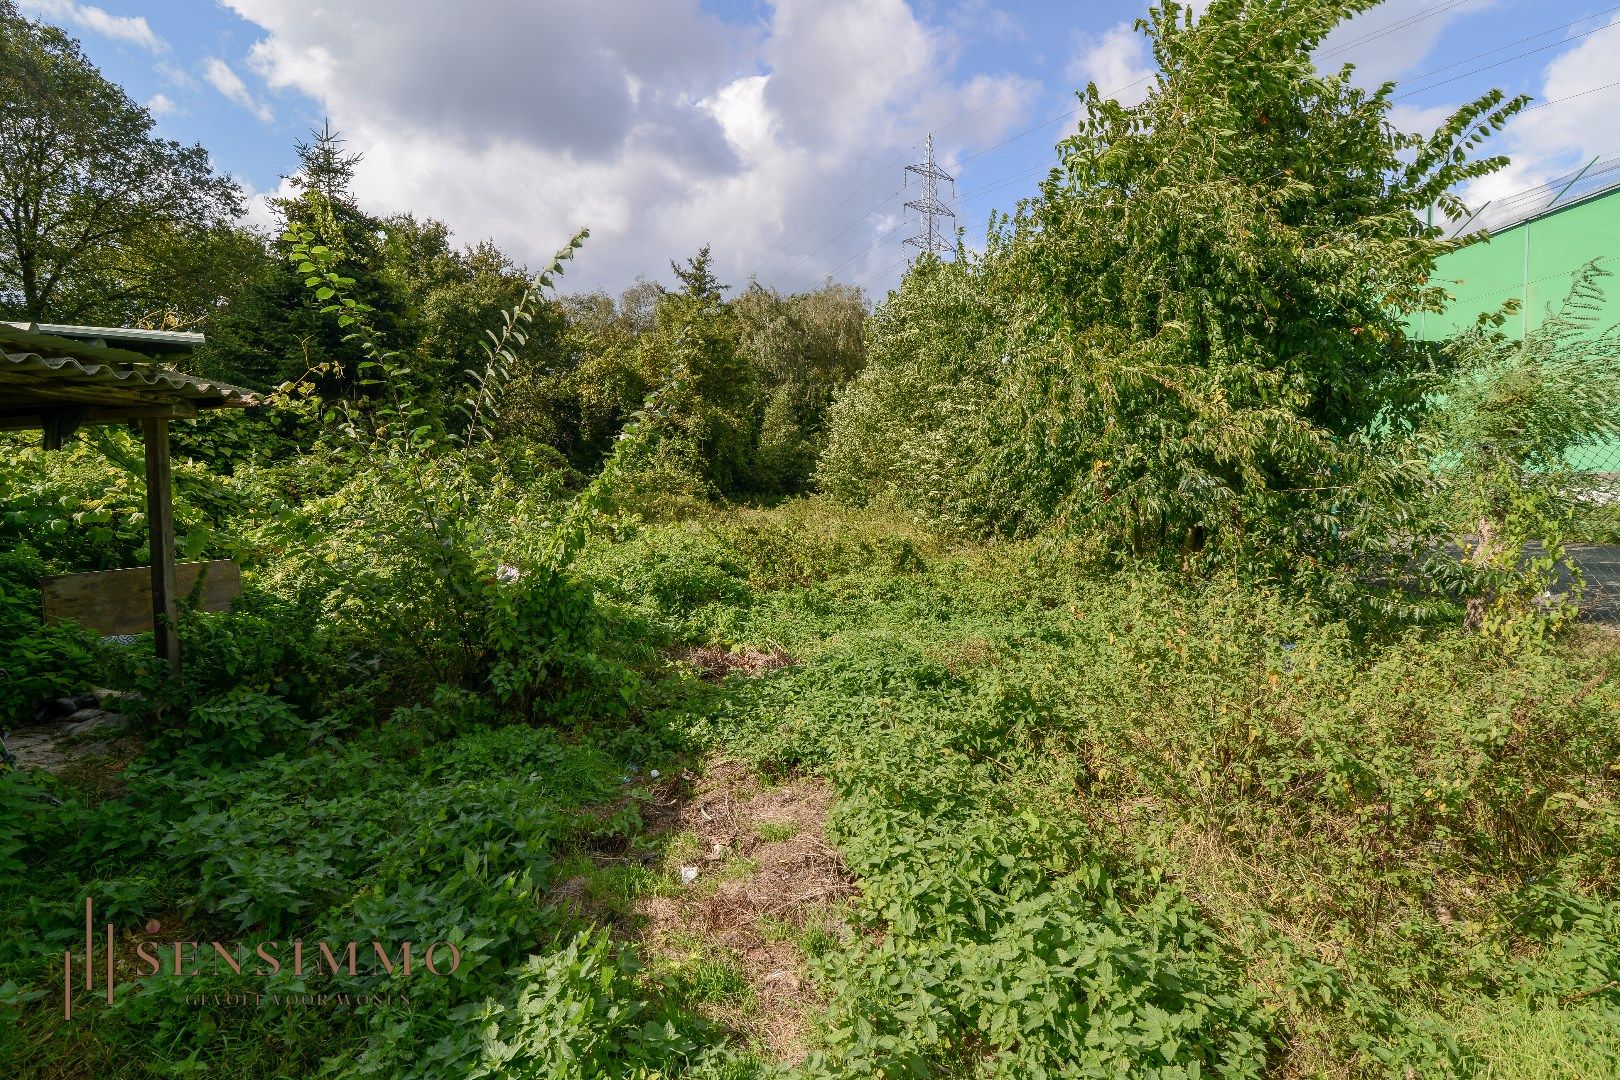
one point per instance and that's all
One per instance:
(1172, 679)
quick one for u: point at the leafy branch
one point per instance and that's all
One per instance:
(483, 405)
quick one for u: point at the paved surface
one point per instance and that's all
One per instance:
(1600, 566)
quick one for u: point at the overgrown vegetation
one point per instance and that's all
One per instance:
(1171, 654)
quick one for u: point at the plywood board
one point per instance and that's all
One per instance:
(120, 601)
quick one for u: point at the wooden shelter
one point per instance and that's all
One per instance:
(61, 378)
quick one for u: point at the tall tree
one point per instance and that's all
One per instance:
(83, 181)
(275, 330)
(1185, 342)
(693, 340)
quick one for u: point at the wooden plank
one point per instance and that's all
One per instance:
(120, 601)
(160, 538)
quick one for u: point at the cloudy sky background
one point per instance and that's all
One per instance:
(777, 132)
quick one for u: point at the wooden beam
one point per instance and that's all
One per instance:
(12, 419)
(160, 524)
(59, 425)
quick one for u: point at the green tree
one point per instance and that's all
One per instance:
(803, 348)
(707, 413)
(170, 277)
(85, 185)
(452, 297)
(1186, 341)
(274, 330)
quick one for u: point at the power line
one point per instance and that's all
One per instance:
(885, 272)
(841, 203)
(1505, 201)
(1438, 9)
(1521, 41)
(1413, 20)
(1407, 23)
(1497, 64)
(968, 196)
(942, 127)
(840, 233)
(1031, 82)
(1003, 182)
(1569, 97)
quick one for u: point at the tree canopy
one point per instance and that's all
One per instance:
(1180, 343)
(98, 213)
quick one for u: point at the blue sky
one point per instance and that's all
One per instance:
(776, 131)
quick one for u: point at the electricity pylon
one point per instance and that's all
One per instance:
(929, 206)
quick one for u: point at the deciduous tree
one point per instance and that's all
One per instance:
(86, 185)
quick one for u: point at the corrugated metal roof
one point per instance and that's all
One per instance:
(29, 378)
(164, 341)
(1559, 193)
(91, 350)
(43, 376)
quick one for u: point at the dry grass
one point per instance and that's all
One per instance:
(764, 873)
(715, 663)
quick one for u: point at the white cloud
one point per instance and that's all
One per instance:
(1118, 61)
(1389, 41)
(230, 84)
(1419, 119)
(133, 29)
(175, 75)
(1581, 121)
(260, 215)
(653, 122)
(160, 105)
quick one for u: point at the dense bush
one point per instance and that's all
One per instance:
(1133, 795)
(1187, 341)
(38, 662)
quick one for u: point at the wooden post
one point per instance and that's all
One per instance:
(160, 523)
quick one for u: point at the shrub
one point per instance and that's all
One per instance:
(1183, 343)
(238, 727)
(38, 662)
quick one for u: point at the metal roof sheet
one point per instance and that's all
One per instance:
(1560, 193)
(44, 377)
(27, 377)
(164, 341)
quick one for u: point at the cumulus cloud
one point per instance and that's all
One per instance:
(1118, 61)
(132, 29)
(222, 78)
(1576, 124)
(654, 122)
(160, 105)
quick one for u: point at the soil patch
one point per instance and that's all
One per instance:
(715, 663)
(755, 878)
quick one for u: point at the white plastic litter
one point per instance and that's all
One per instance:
(688, 875)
